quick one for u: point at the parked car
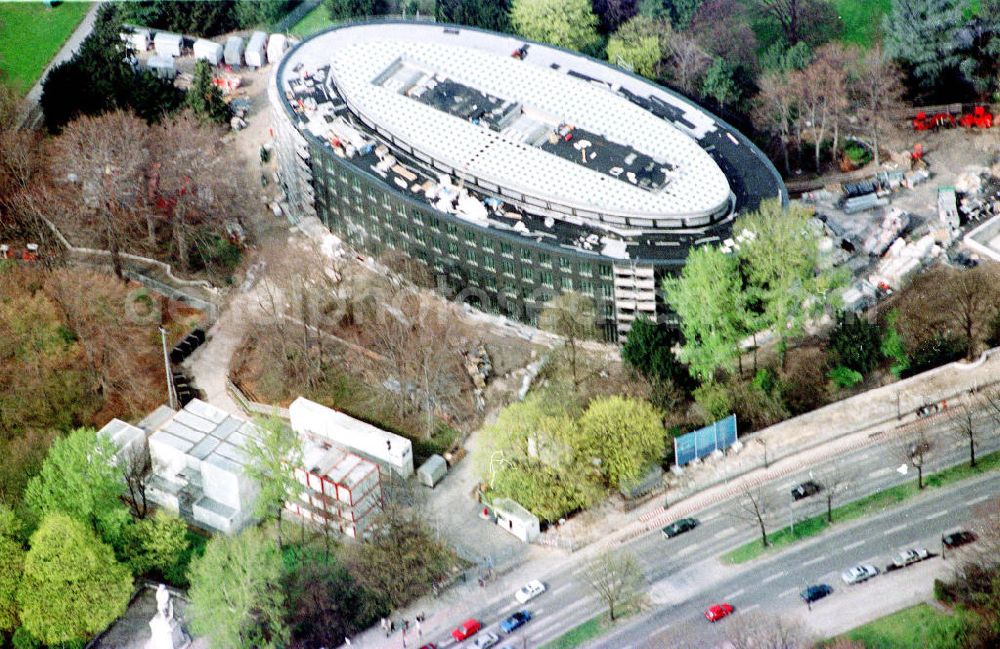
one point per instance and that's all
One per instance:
(429, 645)
(716, 612)
(956, 539)
(466, 629)
(515, 621)
(806, 489)
(913, 555)
(859, 573)
(815, 592)
(486, 640)
(529, 591)
(679, 527)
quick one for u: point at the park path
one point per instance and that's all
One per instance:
(31, 112)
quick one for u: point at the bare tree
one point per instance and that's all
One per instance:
(686, 60)
(754, 506)
(914, 450)
(776, 106)
(878, 87)
(759, 631)
(963, 425)
(616, 578)
(571, 315)
(134, 465)
(837, 480)
(104, 158)
(787, 13)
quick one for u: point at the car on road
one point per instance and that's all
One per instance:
(529, 591)
(957, 539)
(806, 489)
(859, 573)
(430, 645)
(913, 555)
(515, 621)
(716, 612)
(679, 527)
(815, 592)
(466, 629)
(486, 640)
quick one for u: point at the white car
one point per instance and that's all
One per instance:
(486, 640)
(529, 591)
(859, 573)
(913, 555)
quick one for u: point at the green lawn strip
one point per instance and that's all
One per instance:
(862, 21)
(31, 34)
(576, 636)
(314, 21)
(905, 629)
(859, 508)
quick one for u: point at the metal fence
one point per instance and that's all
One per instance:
(695, 445)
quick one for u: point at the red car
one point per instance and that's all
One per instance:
(716, 612)
(466, 630)
(429, 646)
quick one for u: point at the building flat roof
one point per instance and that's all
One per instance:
(207, 434)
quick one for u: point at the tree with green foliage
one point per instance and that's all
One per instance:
(572, 316)
(708, 299)
(565, 23)
(261, 13)
(779, 256)
(344, 10)
(185, 16)
(493, 15)
(678, 12)
(626, 435)
(893, 346)
(80, 479)
(924, 35)
(648, 348)
(855, 343)
(72, 586)
(272, 458)
(638, 45)
(158, 545)
(612, 14)
(11, 568)
(719, 83)
(236, 596)
(401, 559)
(204, 98)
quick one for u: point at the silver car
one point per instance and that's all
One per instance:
(486, 640)
(913, 555)
(859, 573)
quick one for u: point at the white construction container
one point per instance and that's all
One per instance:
(233, 52)
(254, 54)
(137, 38)
(276, 44)
(205, 50)
(162, 66)
(168, 44)
(383, 447)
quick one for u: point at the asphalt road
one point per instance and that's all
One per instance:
(685, 575)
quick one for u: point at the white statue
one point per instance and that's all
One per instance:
(167, 633)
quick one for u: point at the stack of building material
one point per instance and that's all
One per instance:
(903, 259)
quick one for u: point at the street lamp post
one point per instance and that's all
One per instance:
(166, 366)
(763, 442)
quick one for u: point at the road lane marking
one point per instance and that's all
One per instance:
(893, 530)
(749, 608)
(854, 545)
(734, 595)
(725, 532)
(559, 590)
(685, 551)
(787, 592)
(777, 575)
(937, 515)
(816, 560)
(976, 501)
(878, 473)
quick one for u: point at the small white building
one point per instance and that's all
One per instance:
(137, 38)
(254, 54)
(516, 520)
(233, 51)
(128, 439)
(162, 66)
(276, 44)
(168, 44)
(206, 50)
(387, 449)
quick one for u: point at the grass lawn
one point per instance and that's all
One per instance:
(906, 629)
(862, 20)
(578, 635)
(312, 22)
(870, 504)
(31, 34)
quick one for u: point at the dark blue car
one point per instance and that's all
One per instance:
(515, 621)
(813, 593)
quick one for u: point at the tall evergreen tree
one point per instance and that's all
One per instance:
(204, 98)
(924, 35)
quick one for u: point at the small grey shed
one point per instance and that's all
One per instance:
(431, 471)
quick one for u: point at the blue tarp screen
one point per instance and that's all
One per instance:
(704, 441)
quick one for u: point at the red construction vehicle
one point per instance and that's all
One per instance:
(979, 118)
(923, 122)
